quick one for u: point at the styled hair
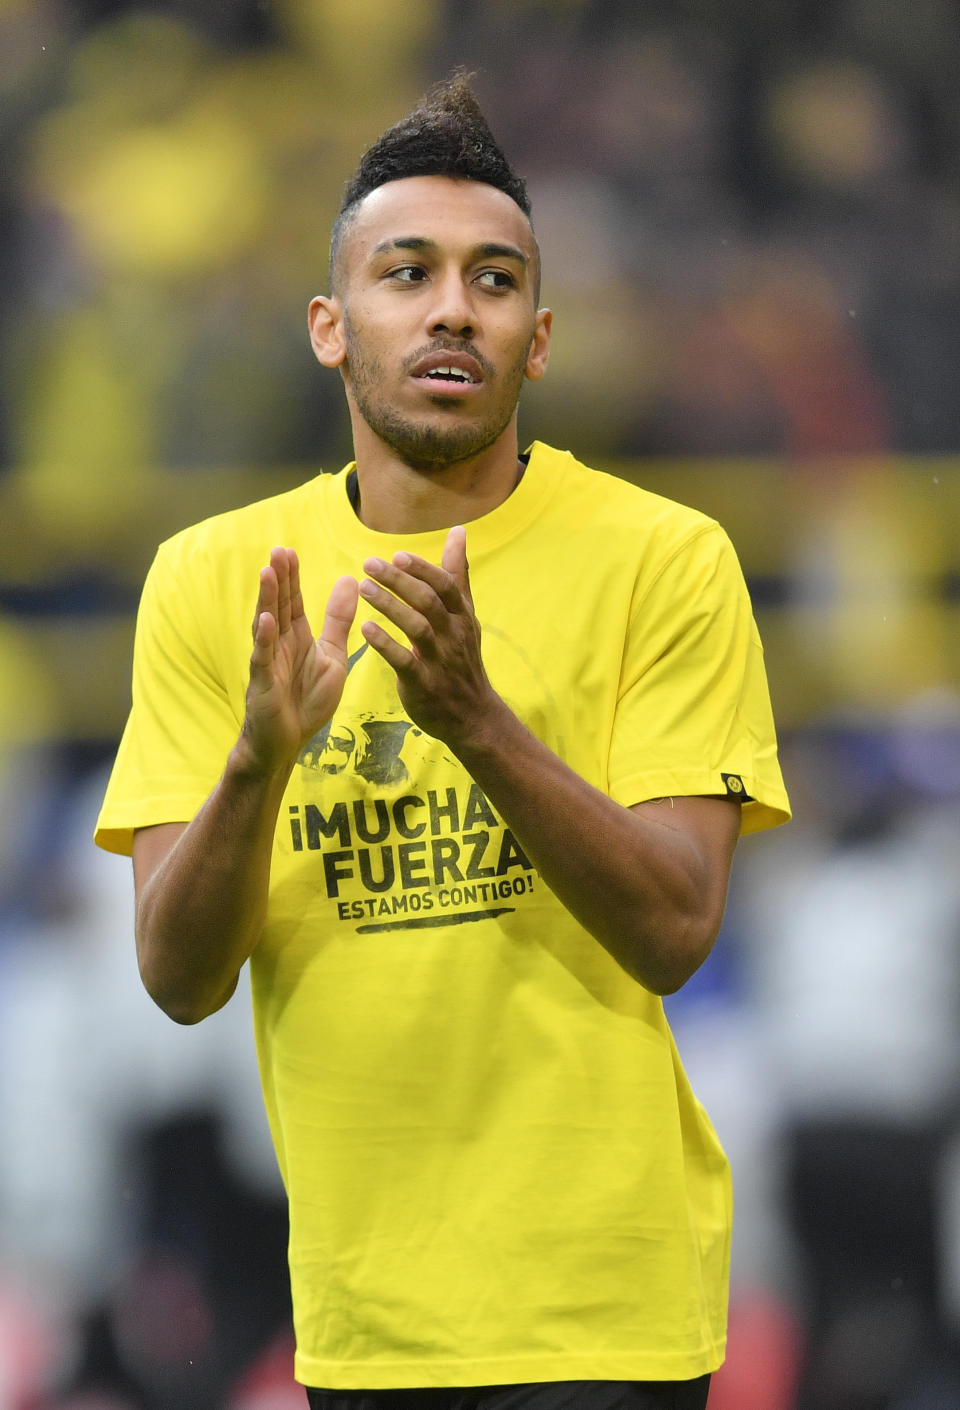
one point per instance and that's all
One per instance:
(446, 134)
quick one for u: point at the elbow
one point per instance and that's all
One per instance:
(183, 1004)
(178, 1007)
(185, 1014)
(663, 985)
(666, 961)
(186, 1010)
(187, 994)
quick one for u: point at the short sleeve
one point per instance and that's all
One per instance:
(693, 713)
(182, 723)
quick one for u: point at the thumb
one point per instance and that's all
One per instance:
(341, 609)
(454, 559)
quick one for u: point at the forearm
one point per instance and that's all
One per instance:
(649, 883)
(201, 911)
(638, 884)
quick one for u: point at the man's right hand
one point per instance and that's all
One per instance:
(295, 681)
(202, 886)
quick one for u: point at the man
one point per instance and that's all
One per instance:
(462, 875)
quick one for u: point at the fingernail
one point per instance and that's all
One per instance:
(402, 560)
(367, 588)
(374, 565)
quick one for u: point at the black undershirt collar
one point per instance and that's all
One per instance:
(353, 483)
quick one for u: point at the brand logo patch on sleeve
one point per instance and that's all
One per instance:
(735, 789)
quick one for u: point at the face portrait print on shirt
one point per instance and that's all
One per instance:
(396, 832)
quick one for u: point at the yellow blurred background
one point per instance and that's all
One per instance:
(750, 223)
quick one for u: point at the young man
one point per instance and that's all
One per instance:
(463, 871)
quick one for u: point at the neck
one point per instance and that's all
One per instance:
(396, 498)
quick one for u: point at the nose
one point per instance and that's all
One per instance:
(452, 310)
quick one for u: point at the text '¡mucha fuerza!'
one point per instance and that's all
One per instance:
(411, 841)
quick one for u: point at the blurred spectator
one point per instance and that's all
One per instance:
(91, 1075)
(856, 968)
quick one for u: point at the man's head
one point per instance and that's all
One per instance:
(446, 134)
(433, 317)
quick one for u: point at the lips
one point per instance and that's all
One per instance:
(447, 371)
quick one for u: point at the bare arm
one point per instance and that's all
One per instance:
(201, 887)
(649, 882)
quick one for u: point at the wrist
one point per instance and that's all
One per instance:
(247, 764)
(485, 734)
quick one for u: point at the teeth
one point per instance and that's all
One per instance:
(456, 373)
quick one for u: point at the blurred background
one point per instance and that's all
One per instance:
(750, 220)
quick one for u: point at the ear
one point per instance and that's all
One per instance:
(325, 321)
(540, 346)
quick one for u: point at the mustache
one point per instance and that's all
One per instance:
(455, 345)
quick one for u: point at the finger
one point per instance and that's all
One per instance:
(424, 585)
(287, 572)
(296, 596)
(414, 625)
(267, 597)
(264, 650)
(454, 560)
(341, 610)
(392, 652)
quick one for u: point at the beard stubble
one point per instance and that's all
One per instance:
(430, 446)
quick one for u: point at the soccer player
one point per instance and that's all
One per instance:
(466, 839)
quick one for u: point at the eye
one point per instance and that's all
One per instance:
(408, 274)
(496, 279)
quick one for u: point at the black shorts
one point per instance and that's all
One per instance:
(540, 1395)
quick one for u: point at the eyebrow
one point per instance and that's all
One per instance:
(491, 249)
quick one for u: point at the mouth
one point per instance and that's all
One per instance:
(447, 373)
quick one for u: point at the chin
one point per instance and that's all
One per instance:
(428, 447)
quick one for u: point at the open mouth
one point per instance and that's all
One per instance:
(448, 381)
(446, 371)
(448, 374)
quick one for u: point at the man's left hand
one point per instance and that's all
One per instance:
(440, 676)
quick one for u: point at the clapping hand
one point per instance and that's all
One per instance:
(295, 681)
(440, 675)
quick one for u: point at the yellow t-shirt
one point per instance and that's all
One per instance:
(496, 1169)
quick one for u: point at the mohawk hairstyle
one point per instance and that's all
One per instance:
(446, 134)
